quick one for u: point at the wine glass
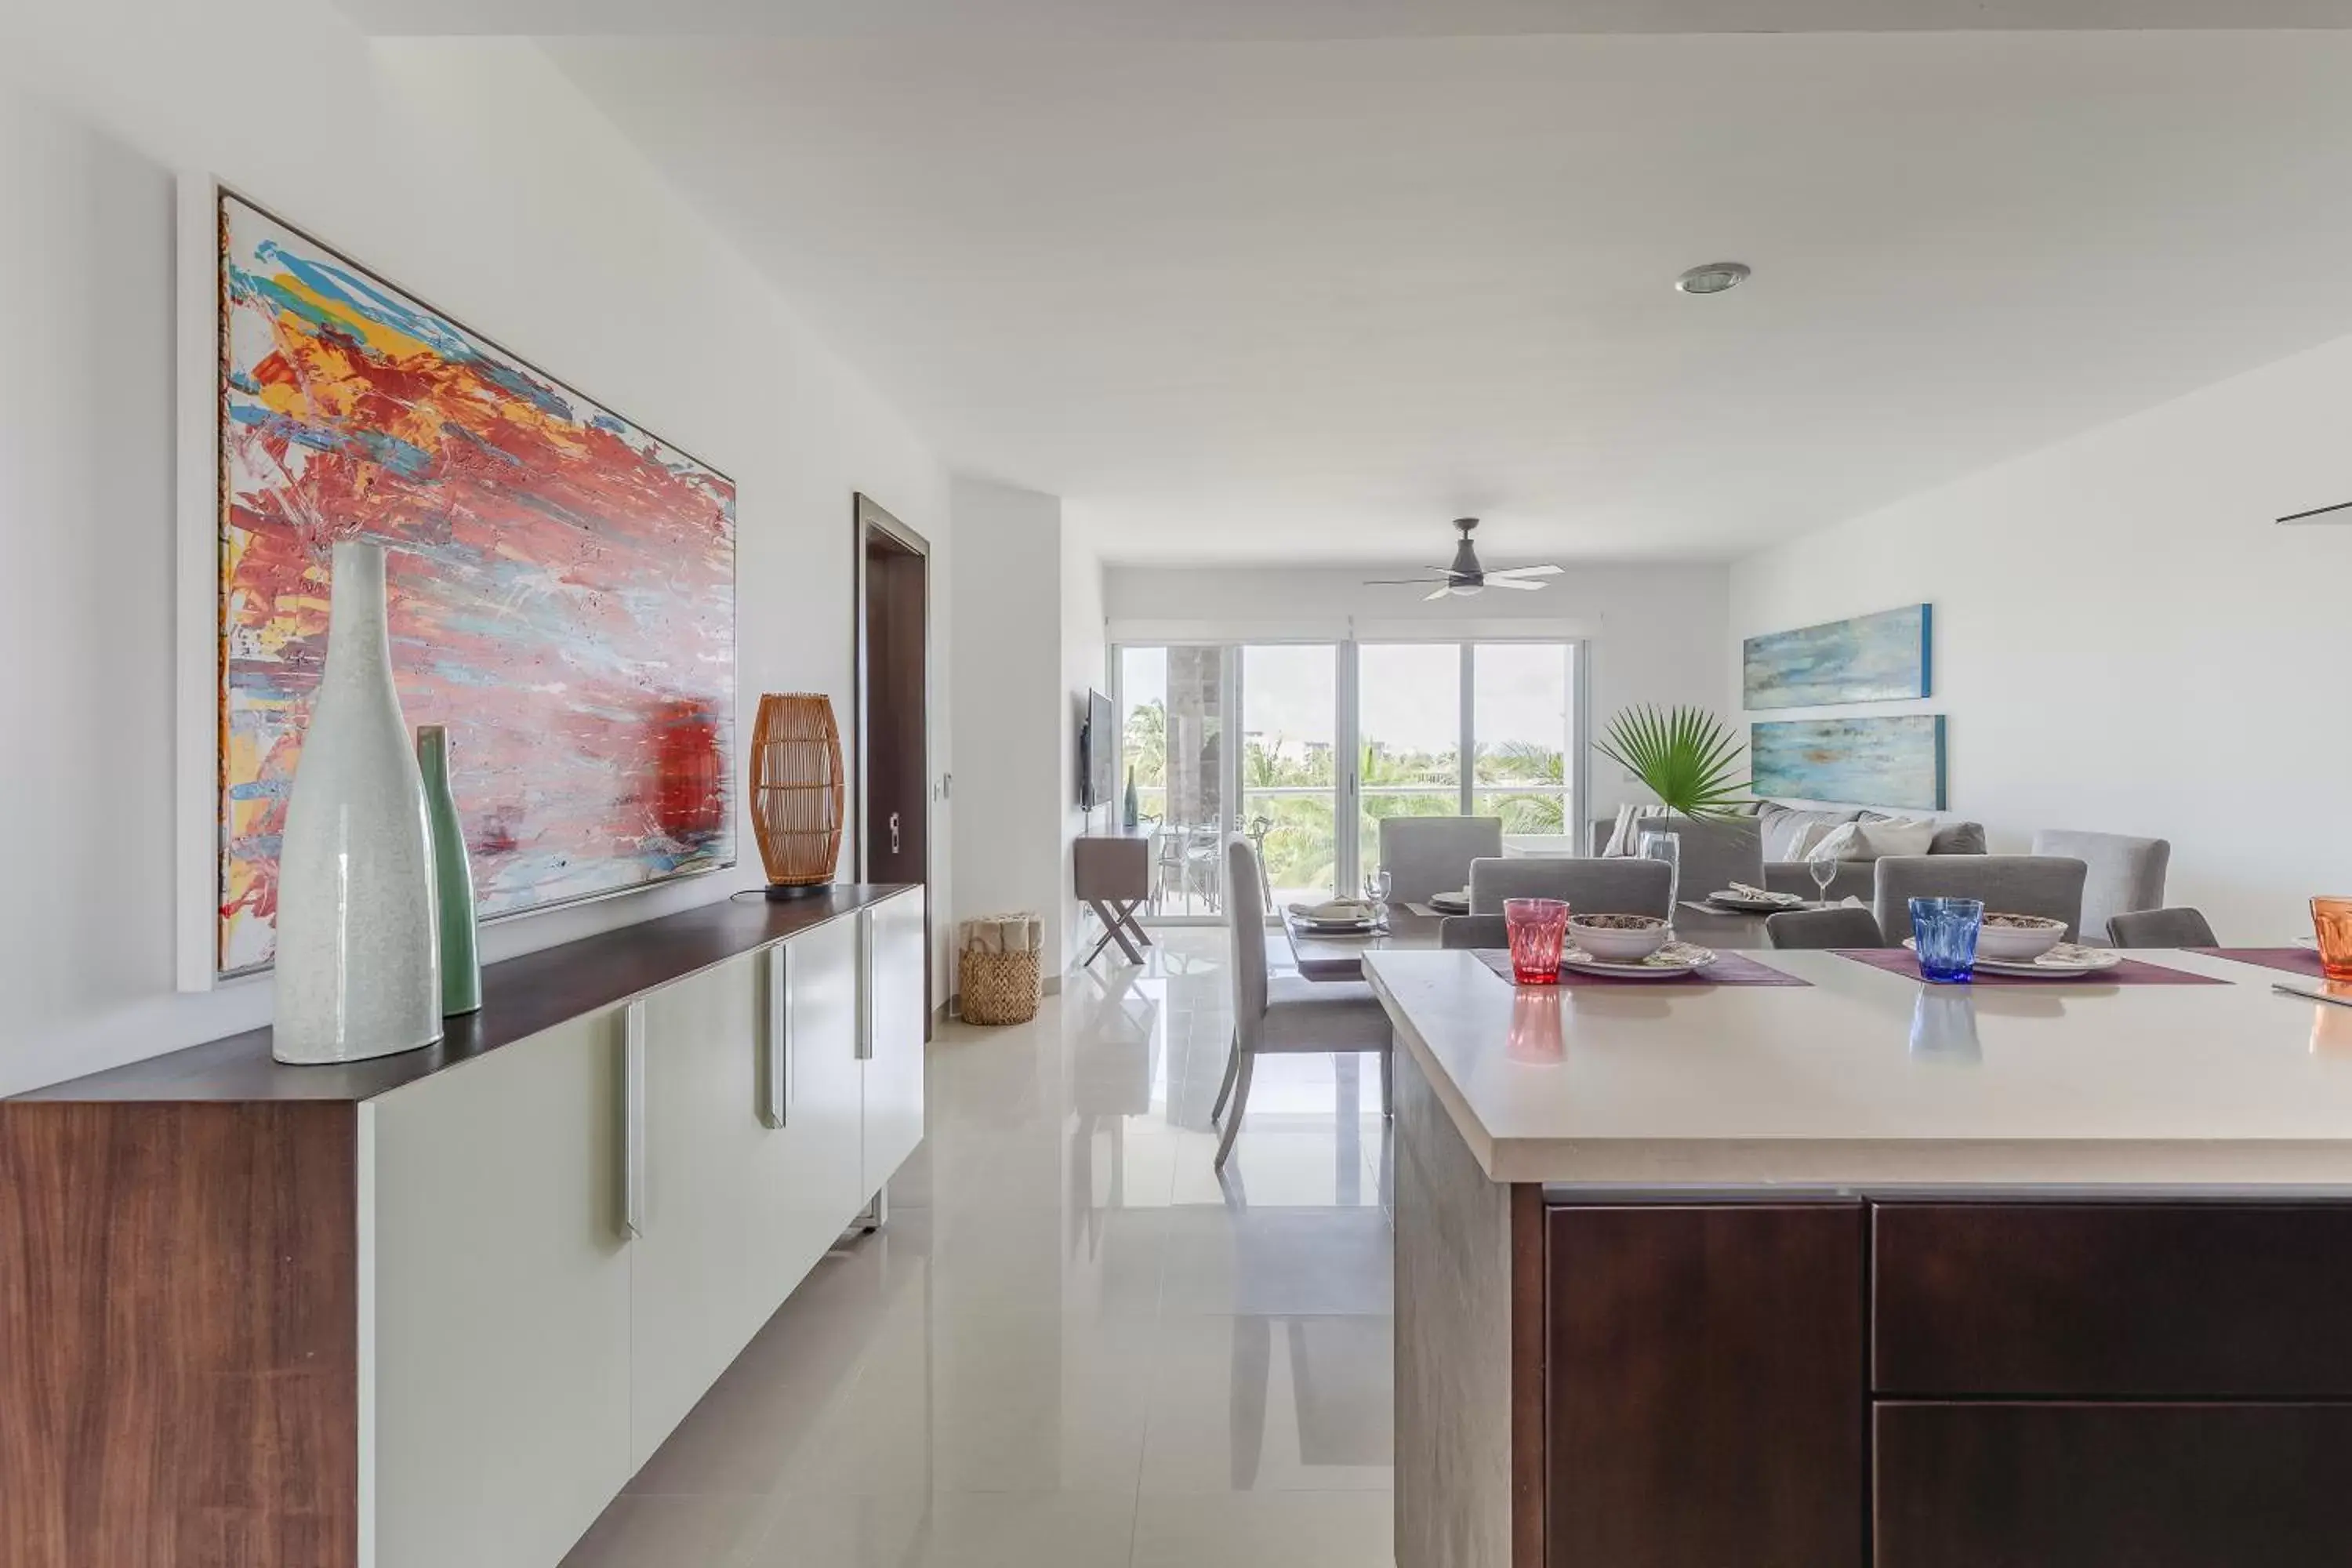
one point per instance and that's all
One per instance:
(1378, 884)
(1824, 870)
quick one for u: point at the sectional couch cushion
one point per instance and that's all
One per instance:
(1784, 826)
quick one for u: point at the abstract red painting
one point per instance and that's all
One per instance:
(562, 585)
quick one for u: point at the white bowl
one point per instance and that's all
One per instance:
(1617, 946)
(2017, 944)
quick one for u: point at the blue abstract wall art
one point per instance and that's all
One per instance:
(1894, 761)
(1881, 657)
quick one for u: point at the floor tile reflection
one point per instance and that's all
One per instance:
(1076, 1342)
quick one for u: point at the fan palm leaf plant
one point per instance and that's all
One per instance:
(1684, 756)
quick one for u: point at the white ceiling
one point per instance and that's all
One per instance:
(1307, 300)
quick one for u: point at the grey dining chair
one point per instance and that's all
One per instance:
(1714, 854)
(1848, 925)
(1425, 855)
(2181, 927)
(2124, 874)
(1285, 1014)
(2009, 884)
(1615, 887)
(1472, 931)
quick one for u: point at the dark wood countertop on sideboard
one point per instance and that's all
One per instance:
(520, 997)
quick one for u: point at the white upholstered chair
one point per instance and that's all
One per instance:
(1287, 1014)
(2121, 873)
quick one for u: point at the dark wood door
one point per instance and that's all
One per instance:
(1705, 1398)
(2112, 1486)
(894, 710)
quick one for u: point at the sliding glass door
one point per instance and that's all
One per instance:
(1284, 743)
(1289, 787)
(1408, 736)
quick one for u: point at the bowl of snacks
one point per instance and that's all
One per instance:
(1617, 938)
(2018, 939)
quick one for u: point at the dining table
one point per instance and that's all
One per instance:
(1326, 955)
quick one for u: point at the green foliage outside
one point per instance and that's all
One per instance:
(1516, 781)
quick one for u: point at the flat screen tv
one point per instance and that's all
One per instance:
(1097, 753)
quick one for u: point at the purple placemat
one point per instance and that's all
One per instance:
(1728, 969)
(2130, 972)
(2294, 960)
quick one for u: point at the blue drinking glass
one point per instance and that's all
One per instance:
(1944, 931)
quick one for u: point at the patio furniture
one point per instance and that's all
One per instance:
(2009, 884)
(2124, 874)
(1425, 855)
(2178, 927)
(1285, 1014)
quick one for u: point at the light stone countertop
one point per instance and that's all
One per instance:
(1871, 1078)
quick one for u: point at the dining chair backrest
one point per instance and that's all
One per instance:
(2048, 885)
(1847, 925)
(1472, 931)
(1425, 855)
(1593, 887)
(2181, 927)
(2125, 873)
(1246, 921)
(1714, 854)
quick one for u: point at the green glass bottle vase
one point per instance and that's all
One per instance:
(453, 878)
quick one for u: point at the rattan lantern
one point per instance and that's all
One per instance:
(796, 791)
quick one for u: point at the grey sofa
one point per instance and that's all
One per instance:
(1777, 827)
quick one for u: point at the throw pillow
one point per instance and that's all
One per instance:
(1895, 836)
(1840, 841)
(1626, 834)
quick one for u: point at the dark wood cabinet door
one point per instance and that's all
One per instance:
(1704, 1399)
(2112, 1486)
(2116, 1299)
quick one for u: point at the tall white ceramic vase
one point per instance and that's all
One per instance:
(359, 950)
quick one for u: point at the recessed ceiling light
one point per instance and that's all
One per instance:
(1713, 279)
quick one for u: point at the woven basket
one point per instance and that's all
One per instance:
(999, 974)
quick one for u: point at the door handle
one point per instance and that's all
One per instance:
(633, 1119)
(775, 1084)
(894, 832)
(865, 1050)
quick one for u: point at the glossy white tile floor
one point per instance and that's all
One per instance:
(1074, 1344)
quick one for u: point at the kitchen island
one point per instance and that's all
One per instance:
(1864, 1271)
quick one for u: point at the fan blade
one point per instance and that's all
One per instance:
(1439, 594)
(1525, 571)
(1401, 582)
(1514, 582)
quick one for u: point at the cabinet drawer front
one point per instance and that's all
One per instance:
(1703, 1387)
(2114, 1300)
(2112, 1486)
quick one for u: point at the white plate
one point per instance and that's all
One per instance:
(1730, 901)
(1450, 903)
(1334, 927)
(2066, 958)
(1673, 959)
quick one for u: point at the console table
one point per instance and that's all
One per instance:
(433, 1309)
(1113, 872)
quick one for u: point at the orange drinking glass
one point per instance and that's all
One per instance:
(2332, 920)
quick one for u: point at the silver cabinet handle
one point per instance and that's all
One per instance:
(775, 1084)
(864, 985)
(894, 832)
(633, 1119)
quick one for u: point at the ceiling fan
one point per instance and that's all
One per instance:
(1465, 576)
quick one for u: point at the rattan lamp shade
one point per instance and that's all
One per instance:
(797, 793)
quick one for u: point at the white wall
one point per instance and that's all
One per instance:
(473, 173)
(1084, 670)
(2124, 641)
(1655, 630)
(1011, 713)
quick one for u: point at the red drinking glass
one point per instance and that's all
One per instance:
(1538, 929)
